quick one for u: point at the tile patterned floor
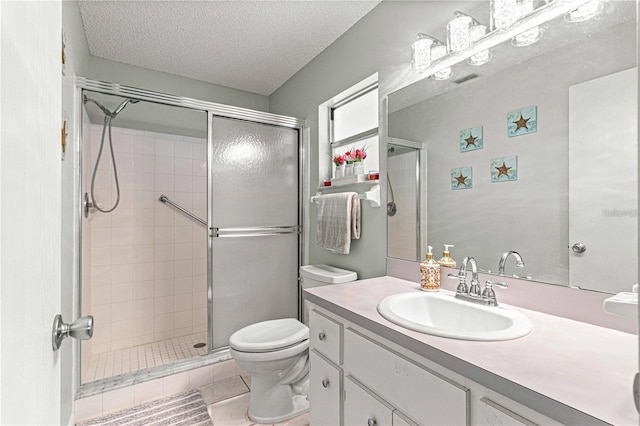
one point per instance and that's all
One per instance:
(228, 403)
(113, 363)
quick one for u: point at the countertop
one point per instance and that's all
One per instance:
(573, 372)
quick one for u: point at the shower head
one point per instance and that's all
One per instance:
(122, 105)
(106, 111)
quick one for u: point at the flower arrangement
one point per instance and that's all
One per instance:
(355, 156)
(338, 160)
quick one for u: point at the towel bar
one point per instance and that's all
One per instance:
(373, 196)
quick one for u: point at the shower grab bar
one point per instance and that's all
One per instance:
(256, 231)
(165, 200)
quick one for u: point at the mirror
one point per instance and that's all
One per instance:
(576, 179)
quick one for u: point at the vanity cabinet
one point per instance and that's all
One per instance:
(325, 386)
(359, 378)
(325, 377)
(363, 407)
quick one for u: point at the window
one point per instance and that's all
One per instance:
(353, 124)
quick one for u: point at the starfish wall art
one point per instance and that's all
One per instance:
(471, 139)
(522, 121)
(504, 169)
(461, 178)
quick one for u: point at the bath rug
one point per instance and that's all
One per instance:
(188, 409)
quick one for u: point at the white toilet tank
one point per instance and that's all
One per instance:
(318, 275)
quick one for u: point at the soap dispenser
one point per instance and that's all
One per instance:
(446, 257)
(430, 273)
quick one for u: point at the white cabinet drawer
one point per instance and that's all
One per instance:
(429, 398)
(401, 420)
(325, 336)
(325, 392)
(362, 408)
(494, 414)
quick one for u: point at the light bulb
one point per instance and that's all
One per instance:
(530, 36)
(458, 32)
(504, 13)
(437, 52)
(421, 53)
(584, 12)
(476, 33)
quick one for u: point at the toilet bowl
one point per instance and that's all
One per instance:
(276, 354)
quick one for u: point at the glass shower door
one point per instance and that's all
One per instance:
(254, 198)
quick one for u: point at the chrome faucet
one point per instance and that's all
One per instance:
(474, 293)
(505, 256)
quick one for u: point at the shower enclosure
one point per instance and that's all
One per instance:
(406, 210)
(190, 228)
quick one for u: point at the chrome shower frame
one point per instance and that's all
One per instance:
(421, 179)
(210, 109)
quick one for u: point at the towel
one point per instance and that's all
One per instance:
(338, 221)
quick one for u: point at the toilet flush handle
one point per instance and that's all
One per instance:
(321, 336)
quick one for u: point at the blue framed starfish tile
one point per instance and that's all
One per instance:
(461, 178)
(522, 121)
(504, 169)
(471, 139)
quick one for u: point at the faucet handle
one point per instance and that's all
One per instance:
(462, 285)
(489, 294)
(474, 288)
(490, 284)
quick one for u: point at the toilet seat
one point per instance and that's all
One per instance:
(269, 336)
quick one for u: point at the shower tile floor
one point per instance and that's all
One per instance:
(121, 361)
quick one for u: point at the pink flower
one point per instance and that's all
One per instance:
(338, 160)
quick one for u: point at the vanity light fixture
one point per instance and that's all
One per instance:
(504, 13)
(526, 38)
(437, 52)
(475, 34)
(516, 20)
(427, 49)
(421, 52)
(459, 32)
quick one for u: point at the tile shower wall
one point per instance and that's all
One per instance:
(147, 272)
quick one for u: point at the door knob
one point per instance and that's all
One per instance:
(81, 329)
(578, 248)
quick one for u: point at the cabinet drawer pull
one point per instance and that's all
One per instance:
(321, 336)
(325, 383)
(372, 422)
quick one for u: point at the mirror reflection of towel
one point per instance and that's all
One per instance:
(338, 221)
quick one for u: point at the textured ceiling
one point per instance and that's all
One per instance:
(249, 45)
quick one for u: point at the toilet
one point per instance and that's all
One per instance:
(276, 354)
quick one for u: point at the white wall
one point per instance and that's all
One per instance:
(147, 262)
(380, 42)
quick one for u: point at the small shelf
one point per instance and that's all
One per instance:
(367, 190)
(363, 184)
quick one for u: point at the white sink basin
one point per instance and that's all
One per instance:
(441, 314)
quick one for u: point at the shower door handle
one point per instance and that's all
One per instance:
(254, 231)
(81, 329)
